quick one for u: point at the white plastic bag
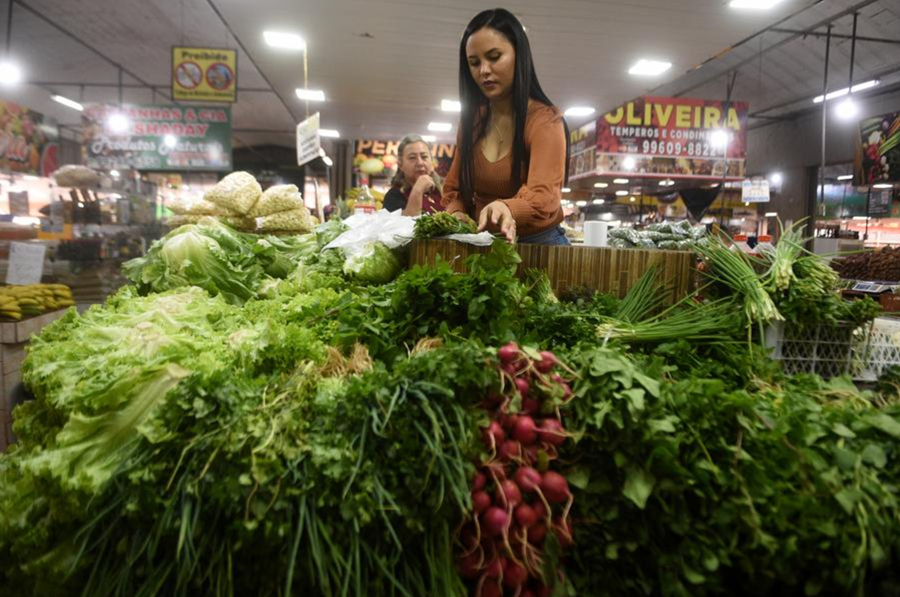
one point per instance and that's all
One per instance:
(392, 229)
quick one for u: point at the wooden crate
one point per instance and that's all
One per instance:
(607, 270)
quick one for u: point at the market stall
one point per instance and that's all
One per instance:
(301, 414)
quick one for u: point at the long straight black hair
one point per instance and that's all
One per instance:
(475, 104)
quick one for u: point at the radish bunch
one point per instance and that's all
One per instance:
(517, 497)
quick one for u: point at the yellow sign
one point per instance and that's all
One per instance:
(204, 74)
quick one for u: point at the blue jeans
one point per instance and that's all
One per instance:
(553, 236)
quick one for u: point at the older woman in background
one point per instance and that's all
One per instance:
(416, 188)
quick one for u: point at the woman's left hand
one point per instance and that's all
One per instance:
(497, 216)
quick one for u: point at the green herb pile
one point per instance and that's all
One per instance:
(233, 425)
(442, 224)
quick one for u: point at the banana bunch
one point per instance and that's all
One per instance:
(17, 302)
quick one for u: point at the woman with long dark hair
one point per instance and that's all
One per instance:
(512, 153)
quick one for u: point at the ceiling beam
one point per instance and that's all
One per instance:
(237, 40)
(80, 41)
(810, 33)
(791, 37)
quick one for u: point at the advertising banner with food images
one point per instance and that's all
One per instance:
(880, 155)
(674, 138)
(583, 151)
(204, 74)
(150, 137)
(29, 141)
(380, 159)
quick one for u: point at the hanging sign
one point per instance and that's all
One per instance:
(880, 204)
(378, 157)
(204, 74)
(755, 191)
(880, 144)
(583, 151)
(674, 137)
(28, 141)
(150, 137)
(309, 143)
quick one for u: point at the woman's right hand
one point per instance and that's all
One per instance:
(425, 184)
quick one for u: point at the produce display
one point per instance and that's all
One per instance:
(217, 430)
(882, 265)
(357, 195)
(664, 235)
(239, 201)
(442, 224)
(18, 302)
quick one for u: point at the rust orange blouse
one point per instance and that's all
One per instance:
(536, 205)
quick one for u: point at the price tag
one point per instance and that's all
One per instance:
(26, 263)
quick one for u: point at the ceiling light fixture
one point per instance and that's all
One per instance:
(327, 161)
(598, 202)
(284, 41)
(330, 133)
(310, 95)
(776, 178)
(620, 181)
(771, 214)
(118, 123)
(621, 193)
(170, 140)
(600, 185)
(451, 106)
(10, 73)
(883, 186)
(59, 99)
(429, 138)
(577, 111)
(847, 109)
(440, 127)
(666, 183)
(114, 173)
(845, 177)
(719, 139)
(649, 68)
(581, 203)
(754, 4)
(632, 199)
(629, 163)
(566, 190)
(860, 218)
(847, 91)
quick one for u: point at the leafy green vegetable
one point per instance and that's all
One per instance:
(373, 264)
(442, 224)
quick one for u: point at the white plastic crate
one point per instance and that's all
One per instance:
(883, 348)
(828, 351)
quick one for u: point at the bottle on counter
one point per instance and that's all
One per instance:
(764, 246)
(365, 203)
(740, 244)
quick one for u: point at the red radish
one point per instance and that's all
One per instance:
(523, 386)
(540, 509)
(537, 533)
(525, 516)
(531, 454)
(494, 568)
(544, 591)
(563, 532)
(510, 451)
(547, 363)
(508, 353)
(552, 432)
(495, 521)
(510, 369)
(491, 588)
(567, 390)
(531, 406)
(481, 501)
(525, 430)
(470, 566)
(493, 435)
(528, 479)
(509, 422)
(479, 482)
(527, 593)
(509, 494)
(515, 575)
(555, 487)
